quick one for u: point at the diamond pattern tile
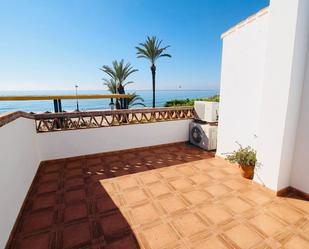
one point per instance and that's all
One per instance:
(169, 197)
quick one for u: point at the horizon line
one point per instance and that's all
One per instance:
(11, 90)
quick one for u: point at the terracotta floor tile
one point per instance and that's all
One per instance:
(127, 242)
(301, 205)
(287, 214)
(114, 226)
(44, 201)
(257, 196)
(297, 242)
(189, 224)
(38, 221)
(187, 170)
(215, 213)
(181, 184)
(170, 173)
(236, 204)
(47, 187)
(305, 228)
(148, 178)
(159, 236)
(73, 172)
(242, 236)
(211, 243)
(75, 195)
(74, 182)
(77, 235)
(49, 177)
(181, 198)
(200, 179)
(158, 189)
(235, 184)
(267, 224)
(196, 196)
(218, 190)
(216, 174)
(75, 212)
(75, 164)
(127, 183)
(135, 196)
(105, 204)
(172, 203)
(145, 213)
(40, 241)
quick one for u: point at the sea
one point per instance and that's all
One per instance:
(93, 104)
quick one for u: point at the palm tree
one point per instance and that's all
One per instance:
(112, 86)
(152, 51)
(134, 98)
(118, 73)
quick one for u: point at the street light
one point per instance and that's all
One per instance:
(77, 106)
(111, 104)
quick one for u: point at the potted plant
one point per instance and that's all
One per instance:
(246, 160)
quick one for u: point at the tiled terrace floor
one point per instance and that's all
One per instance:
(188, 200)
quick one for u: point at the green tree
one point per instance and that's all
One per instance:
(119, 72)
(112, 85)
(135, 99)
(151, 50)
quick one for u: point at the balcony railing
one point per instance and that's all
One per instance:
(48, 122)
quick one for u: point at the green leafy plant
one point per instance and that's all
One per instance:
(244, 156)
(190, 102)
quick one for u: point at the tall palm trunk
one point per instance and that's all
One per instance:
(153, 71)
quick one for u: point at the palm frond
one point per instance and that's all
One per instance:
(119, 71)
(112, 85)
(134, 98)
(151, 49)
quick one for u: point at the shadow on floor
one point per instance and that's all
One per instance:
(67, 207)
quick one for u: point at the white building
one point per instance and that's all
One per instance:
(265, 91)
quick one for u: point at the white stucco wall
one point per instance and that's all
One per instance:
(19, 160)
(263, 69)
(283, 82)
(242, 73)
(300, 170)
(82, 142)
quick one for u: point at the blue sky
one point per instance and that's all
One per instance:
(54, 44)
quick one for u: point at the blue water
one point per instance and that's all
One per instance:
(47, 105)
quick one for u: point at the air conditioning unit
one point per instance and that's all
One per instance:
(207, 111)
(203, 135)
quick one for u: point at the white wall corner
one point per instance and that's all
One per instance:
(300, 169)
(283, 82)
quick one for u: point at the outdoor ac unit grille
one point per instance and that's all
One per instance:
(196, 134)
(203, 135)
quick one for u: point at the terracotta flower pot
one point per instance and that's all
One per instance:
(247, 171)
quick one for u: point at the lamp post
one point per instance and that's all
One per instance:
(111, 104)
(77, 106)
